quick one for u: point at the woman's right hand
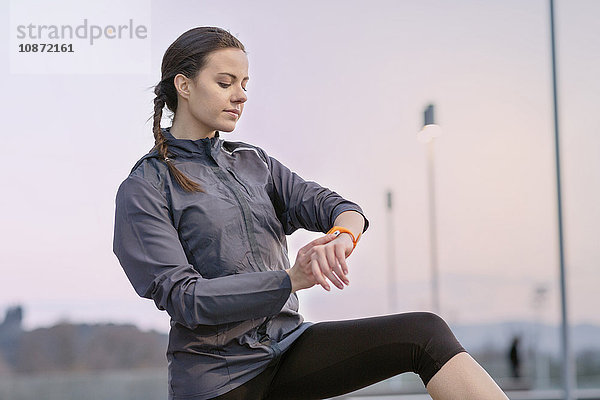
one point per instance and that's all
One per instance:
(316, 262)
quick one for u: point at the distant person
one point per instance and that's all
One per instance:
(200, 228)
(514, 358)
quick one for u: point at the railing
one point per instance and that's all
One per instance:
(151, 384)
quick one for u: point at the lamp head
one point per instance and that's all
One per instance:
(429, 132)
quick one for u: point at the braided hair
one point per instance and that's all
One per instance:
(187, 55)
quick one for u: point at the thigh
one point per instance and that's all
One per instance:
(254, 389)
(333, 358)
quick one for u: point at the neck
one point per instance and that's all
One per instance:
(190, 128)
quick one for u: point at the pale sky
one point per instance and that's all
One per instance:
(336, 92)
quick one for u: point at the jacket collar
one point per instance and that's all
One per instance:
(192, 148)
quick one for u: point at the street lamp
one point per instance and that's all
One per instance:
(427, 134)
(430, 130)
(568, 363)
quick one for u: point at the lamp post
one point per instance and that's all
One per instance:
(427, 135)
(568, 364)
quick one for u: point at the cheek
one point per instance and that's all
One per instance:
(203, 107)
(206, 98)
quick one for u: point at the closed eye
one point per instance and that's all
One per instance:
(226, 85)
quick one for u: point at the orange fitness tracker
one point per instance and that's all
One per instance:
(336, 230)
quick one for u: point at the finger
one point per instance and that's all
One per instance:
(332, 260)
(326, 269)
(320, 240)
(341, 258)
(314, 265)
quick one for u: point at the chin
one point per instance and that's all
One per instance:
(226, 127)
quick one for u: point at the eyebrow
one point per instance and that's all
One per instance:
(232, 75)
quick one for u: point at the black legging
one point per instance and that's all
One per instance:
(333, 358)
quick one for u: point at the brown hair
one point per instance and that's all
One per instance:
(187, 55)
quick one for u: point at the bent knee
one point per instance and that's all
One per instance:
(439, 344)
(428, 325)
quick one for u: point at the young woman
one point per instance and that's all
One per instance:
(200, 228)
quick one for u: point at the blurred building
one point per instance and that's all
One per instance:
(11, 330)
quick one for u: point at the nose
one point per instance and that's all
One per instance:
(240, 96)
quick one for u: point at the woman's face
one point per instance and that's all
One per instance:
(219, 86)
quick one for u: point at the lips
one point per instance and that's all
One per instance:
(235, 113)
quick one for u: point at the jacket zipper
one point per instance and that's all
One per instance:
(262, 330)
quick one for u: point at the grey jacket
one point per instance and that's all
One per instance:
(215, 261)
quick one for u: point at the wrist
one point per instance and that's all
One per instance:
(338, 230)
(292, 280)
(346, 236)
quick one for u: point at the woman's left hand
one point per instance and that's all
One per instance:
(331, 263)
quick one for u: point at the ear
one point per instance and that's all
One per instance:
(182, 85)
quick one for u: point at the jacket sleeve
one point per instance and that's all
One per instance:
(305, 204)
(148, 248)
